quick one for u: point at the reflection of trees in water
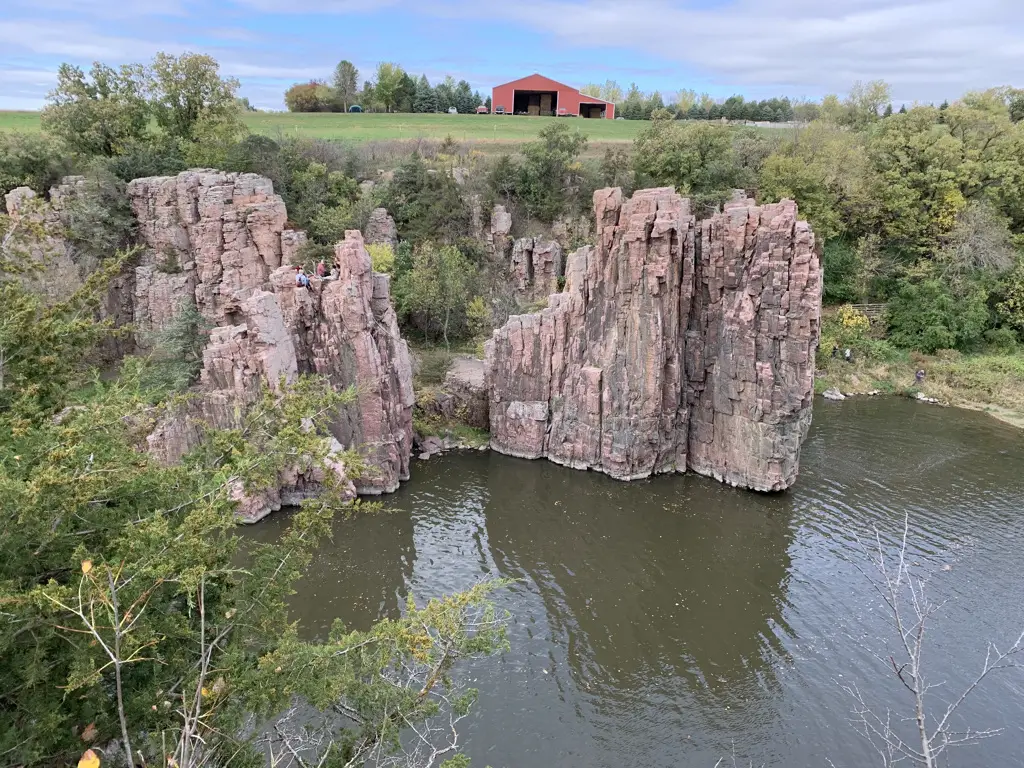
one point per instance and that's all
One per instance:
(675, 578)
(358, 576)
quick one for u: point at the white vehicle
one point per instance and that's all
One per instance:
(452, 111)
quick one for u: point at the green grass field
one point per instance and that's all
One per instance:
(19, 121)
(377, 127)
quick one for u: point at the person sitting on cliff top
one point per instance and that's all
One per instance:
(301, 279)
(321, 269)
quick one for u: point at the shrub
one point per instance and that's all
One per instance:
(478, 316)
(1001, 339)
(169, 264)
(177, 356)
(328, 225)
(925, 316)
(426, 204)
(28, 160)
(550, 170)
(141, 159)
(381, 257)
(98, 219)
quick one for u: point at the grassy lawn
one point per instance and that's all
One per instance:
(19, 121)
(377, 127)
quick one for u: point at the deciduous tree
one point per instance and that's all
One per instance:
(190, 99)
(346, 82)
(98, 114)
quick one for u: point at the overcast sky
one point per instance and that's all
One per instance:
(928, 50)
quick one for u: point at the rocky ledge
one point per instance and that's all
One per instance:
(674, 346)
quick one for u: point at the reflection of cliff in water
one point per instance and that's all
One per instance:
(359, 576)
(672, 578)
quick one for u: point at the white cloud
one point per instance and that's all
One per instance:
(76, 40)
(924, 48)
(927, 49)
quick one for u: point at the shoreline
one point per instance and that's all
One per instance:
(989, 384)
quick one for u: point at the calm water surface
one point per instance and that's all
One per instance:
(673, 622)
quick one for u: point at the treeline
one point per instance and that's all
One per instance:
(391, 90)
(634, 104)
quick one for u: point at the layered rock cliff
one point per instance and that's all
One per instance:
(674, 346)
(219, 239)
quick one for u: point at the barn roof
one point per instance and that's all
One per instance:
(539, 79)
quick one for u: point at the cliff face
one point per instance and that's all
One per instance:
(671, 348)
(39, 237)
(218, 239)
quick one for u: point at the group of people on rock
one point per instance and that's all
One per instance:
(302, 279)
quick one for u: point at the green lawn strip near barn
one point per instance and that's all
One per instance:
(359, 128)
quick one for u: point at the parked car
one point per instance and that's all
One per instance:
(452, 111)
(499, 110)
(562, 112)
(355, 108)
(482, 110)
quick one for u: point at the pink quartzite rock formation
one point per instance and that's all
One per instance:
(381, 229)
(536, 267)
(218, 239)
(674, 346)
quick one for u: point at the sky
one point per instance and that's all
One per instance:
(928, 50)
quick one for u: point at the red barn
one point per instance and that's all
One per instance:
(539, 95)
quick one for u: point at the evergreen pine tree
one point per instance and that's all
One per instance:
(426, 98)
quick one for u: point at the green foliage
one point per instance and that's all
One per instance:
(433, 365)
(314, 96)
(924, 315)
(190, 100)
(616, 170)
(128, 600)
(426, 204)
(100, 114)
(549, 176)
(478, 316)
(156, 156)
(386, 85)
(426, 97)
(346, 83)
(382, 258)
(177, 356)
(843, 270)
(44, 350)
(322, 201)
(1011, 306)
(98, 218)
(31, 160)
(436, 292)
(696, 158)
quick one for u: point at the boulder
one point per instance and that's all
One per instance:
(466, 384)
(660, 355)
(833, 394)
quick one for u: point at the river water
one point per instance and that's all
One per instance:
(675, 622)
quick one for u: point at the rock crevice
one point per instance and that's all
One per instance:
(675, 345)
